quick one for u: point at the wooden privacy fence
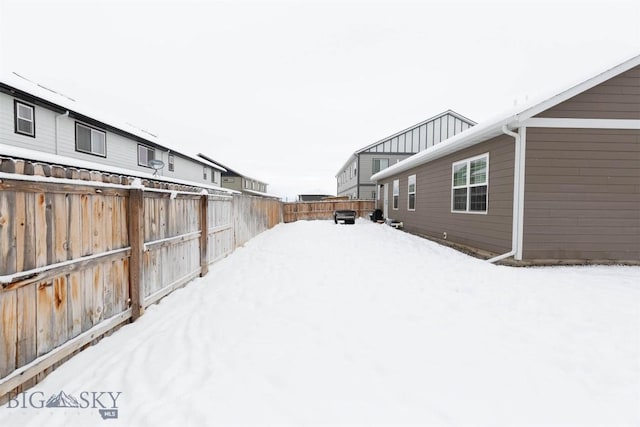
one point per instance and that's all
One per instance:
(324, 209)
(83, 252)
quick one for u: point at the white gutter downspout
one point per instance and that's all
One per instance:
(65, 114)
(516, 229)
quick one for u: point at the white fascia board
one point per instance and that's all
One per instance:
(519, 118)
(579, 88)
(543, 122)
(205, 162)
(351, 159)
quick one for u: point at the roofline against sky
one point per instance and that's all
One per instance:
(490, 129)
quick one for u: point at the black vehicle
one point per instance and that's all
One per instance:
(346, 216)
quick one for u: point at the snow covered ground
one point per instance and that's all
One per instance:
(316, 323)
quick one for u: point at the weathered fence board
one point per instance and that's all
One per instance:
(324, 209)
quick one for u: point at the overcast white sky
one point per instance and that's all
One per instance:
(284, 91)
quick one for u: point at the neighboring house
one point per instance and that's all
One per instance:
(558, 181)
(353, 179)
(234, 180)
(35, 118)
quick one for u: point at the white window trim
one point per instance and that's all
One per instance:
(379, 159)
(411, 192)
(204, 173)
(172, 163)
(32, 120)
(92, 131)
(148, 149)
(396, 186)
(468, 185)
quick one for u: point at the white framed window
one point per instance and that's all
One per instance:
(470, 185)
(145, 155)
(213, 176)
(172, 162)
(91, 140)
(396, 194)
(25, 119)
(204, 172)
(379, 164)
(411, 193)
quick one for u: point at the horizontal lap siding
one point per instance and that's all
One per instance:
(45, 127)
(582, 194)
(617, 98)
(433, 216)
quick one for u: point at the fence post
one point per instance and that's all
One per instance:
(204, 235)
(136, 241)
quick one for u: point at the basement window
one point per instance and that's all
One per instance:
(469, 190)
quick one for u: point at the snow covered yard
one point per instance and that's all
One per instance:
(316, 323)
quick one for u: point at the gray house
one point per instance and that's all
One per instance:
(353, 179)
(38, 119)
(234, 180)
(558, 181)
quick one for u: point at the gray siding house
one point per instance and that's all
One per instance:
(557, 182)
(353, 179)
(233, 180)
(38, 119)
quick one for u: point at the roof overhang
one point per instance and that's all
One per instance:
(492, 128)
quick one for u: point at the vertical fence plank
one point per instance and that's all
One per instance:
(26, 302)
(60, 228)
(74, 305)
(98, 293)
(87, 299)
(44, 321)
(74, 249)
(204, 235)
(20, 221)
(136, 241)
(59, 313)
(87, 241)
(30, 232)
(8, 332)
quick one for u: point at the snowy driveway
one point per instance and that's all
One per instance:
(313, 322)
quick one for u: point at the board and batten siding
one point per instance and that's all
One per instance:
(582, 194)
(45, 127)
(616, 98)
(432, 217)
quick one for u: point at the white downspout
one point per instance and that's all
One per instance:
(65, 114)
(515, 227)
